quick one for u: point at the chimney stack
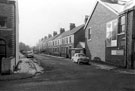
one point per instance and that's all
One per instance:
(86, 18)
(54, 33)
(72, 25)
(62, 30)
(45, 37)
(49, 35)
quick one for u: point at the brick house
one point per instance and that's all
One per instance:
(7, 29)
(96, 32)
(50, 49)
(68, 39)
(60, 44)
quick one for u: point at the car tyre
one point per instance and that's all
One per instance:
(72, 60)
(78, 61)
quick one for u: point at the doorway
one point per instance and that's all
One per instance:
(2, 50)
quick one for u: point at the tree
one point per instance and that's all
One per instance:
(24, 47)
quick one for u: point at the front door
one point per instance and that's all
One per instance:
(133, 54)
(2, 51)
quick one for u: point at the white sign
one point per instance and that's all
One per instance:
(114, 52)
(117, 52)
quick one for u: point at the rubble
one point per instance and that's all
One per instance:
(27, 65)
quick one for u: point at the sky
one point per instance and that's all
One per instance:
(38, 18)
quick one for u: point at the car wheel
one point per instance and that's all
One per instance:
(72, 60)
(78, 61)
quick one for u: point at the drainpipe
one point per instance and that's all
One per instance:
(17, 31)
(126, 42)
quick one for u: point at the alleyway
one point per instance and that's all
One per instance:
(63, 75)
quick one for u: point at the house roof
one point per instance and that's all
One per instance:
(66, 33)
(52, 38)
(115, 8)
(70, 32)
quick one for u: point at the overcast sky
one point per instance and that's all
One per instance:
(39, 18)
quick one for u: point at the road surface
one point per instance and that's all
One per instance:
(62, 74)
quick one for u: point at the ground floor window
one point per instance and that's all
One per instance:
(3, 22)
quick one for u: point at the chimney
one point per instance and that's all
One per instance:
(45, 37)
(86, 18)
(49, 35)
(54, 33)
(62, 30)
(72, 25)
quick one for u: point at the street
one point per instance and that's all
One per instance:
(61, 74)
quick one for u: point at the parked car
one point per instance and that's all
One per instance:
(80, 58)
(29, 54)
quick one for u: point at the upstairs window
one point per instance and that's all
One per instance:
(70, 39)
(67, 40)
(58, 42)
(122, 25)
(3, 22)
(89, 33)
(62, 41)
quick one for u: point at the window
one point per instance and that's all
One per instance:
(122, 24)
(67, 40)
(89, 33)
(3, 22)
(62, 41)
(111, 33)
(70, 39)
(58, 42)
(55, 42)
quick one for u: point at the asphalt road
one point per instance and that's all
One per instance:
(63, 75)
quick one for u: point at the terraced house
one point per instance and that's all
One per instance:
(61, 44)
(106, 33)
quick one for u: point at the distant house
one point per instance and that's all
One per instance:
(68, 39)
(51, 44)
(98, 40)
(7, 29)
(60, 44)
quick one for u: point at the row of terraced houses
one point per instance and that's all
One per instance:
(107, 35)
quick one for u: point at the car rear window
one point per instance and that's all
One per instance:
(81, 55)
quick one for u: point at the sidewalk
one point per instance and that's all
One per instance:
(113, 68)
(26, 68)
(15, 76)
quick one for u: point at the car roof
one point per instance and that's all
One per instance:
(78, 53)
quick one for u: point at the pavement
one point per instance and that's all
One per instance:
(26, 68)
(113, 68)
